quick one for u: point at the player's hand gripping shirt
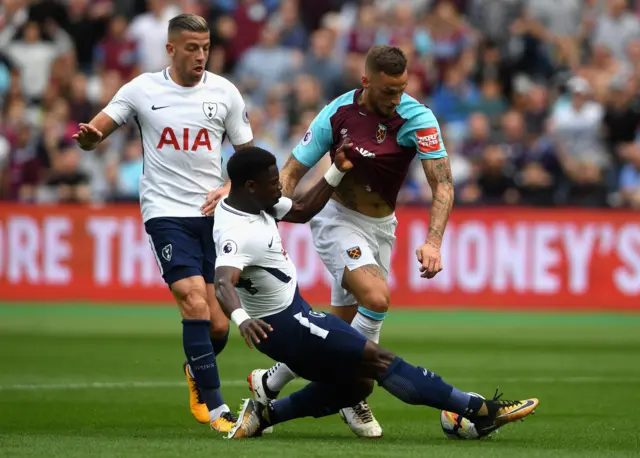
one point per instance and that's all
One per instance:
(383, 147)
(252, 244)
(182, 130)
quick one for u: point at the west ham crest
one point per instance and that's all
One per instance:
(210, 109)
(354, 252)
(381, 133)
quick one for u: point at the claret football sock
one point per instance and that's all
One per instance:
(368, 323)
(418, 386)
(202, 361)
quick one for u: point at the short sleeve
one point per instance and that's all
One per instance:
(422, 132)
(317, 140)
(282, 207)
(122, 105)
(237, 121)
(234, 249)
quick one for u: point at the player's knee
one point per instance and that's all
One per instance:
(192, 301)
(376, 300)
(219, 329)
(376, 360)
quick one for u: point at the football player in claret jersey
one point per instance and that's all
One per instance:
(256, 284)
(355, 232)
(183, 113)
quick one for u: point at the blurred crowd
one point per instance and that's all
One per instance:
(538, 100)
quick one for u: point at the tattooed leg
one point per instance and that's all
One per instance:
(369, 286)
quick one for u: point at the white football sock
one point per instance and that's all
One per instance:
(215, 413)
(278, 376)
(368, 327)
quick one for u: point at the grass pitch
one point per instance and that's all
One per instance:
(99, 381)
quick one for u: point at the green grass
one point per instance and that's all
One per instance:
(583, 368)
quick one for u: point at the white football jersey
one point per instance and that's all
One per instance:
(182, 130)
(252, 244)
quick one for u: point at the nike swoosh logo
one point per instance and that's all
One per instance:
(271, 242)
(201, 356)
(154, 108)
(527, 404)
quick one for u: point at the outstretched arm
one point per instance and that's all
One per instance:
(291, 174)
(225, 282)
(121, 107)
(307, 206)
(90, 135)
(438, 172)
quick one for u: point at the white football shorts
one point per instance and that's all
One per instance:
(345, 238)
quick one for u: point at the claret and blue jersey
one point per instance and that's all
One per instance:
(383, 147)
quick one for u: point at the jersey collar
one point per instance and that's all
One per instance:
(167, 77)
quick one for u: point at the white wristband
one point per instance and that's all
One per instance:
(334, 176)
(239, 316)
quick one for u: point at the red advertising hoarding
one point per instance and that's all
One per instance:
(493, 257)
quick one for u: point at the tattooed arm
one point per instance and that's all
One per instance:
(291, 174)
(438, 172)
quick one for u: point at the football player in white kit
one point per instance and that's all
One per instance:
(184, 113)
(256, 284)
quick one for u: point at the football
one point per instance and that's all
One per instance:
(456, 426)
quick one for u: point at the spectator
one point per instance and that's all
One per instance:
(264, 66)
(616, 27)
(66, 183)
(576, 129)
(491, 102)
(276, 121)
(495, 185)
(80, 107)
(630, 180)
(478, 137)
(364, 35)
(249, 19)
(287, 21)
(556, 19)
(514, 139)
(536, 110)
(320, 63)
(539, 173)
(7, 74)
(87, 25)
(455, 99)
(125, 176)
(117, 52)
(491, 65)
(148, 30)
(24, 169)
(34, 56)
(448, 36)
(306, 96)
(13, 15)
(587, 187)
(494, 19)
(621, 119)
